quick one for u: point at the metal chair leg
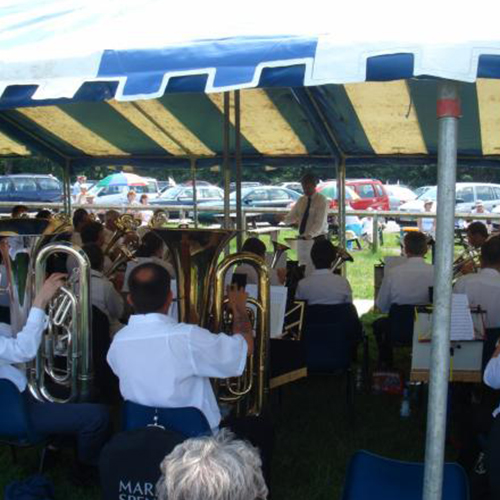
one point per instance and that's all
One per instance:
(42, 460)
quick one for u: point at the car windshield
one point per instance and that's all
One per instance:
(244, 192)
(171, 193)
(330, 191)
(430, 194)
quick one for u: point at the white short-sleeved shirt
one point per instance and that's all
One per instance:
(406, 283)
(104, 296)
(491, 377)
(162, 363)
(324, 287)
(483, 289)
(21, 349)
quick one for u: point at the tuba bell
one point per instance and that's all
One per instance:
(64, 357)
(195, 253)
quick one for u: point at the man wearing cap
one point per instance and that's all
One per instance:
(310, 213)
(479, 209)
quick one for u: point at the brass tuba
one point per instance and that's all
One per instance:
(67, 340)
(195, 253)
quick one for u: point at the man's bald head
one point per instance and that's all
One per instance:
(149, 286)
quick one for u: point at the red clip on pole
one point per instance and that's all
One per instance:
(449, 108)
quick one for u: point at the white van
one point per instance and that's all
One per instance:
(117, 195)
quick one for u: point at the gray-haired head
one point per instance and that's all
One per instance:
(212, 468)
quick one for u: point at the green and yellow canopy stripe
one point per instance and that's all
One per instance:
(65, 127)
(263, 124)
(387, 116)
(160, 125)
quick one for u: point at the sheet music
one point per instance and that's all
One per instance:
(279, 296)
(462, 327)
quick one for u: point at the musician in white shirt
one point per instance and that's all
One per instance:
(405, 284)
(88, 422)
(483, 288)
(162, 363)
(103, 294)
(408, 283)
(310, 213)
(322, 286)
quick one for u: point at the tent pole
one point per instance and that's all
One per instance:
(195, 194)
(448, 110)
(67, 187)
(226, 166)
(341, 203)
(237, 125)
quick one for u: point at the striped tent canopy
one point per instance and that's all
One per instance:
(139, 82)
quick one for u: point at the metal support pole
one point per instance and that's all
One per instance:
(237, 147)
(375, 233)
(341, 206)
(448, 108)
(67, 187)
(195, 195)
(226, 166)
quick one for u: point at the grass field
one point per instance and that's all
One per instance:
(316, 436)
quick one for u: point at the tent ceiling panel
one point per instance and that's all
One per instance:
(56, 121)
(377, 119)
(389, 121)
(488, 96)
(160, 125)
(9, 147)
(263, 125)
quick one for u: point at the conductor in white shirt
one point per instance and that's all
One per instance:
(322, 286)
(310, 213)
(405, 284)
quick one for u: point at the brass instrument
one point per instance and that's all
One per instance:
(248, 391)
(126, 225)
(158, 220)
(342, 256)
(468, 260)
(279, 250)
(195, 253)
(31, 243)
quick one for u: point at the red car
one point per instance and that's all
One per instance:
(360, 194)
(371, 192)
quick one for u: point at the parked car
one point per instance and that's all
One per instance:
(398, 195)
(183, 195)
(371, 193)
(249, 184)
(22, 188)
(329, 189)
(117, 195)
(466, 195)
(422, 189)
(294, 186)
(256, 197)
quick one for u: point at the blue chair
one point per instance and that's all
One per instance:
(372, 477)
(16, 429)
(189, 421)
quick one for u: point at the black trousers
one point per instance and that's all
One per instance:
(88, 423)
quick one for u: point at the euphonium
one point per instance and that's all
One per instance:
(195, 253)
(31, 243)
(158, 220)
(250, 390)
